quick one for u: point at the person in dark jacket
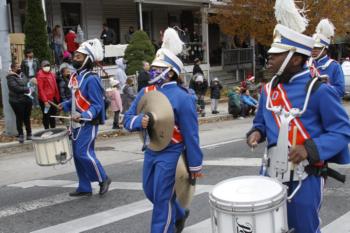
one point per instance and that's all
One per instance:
(200, 86)
(144, 76)
(63, 80)
(215, 88)
(30, 67)
(196, 68)
(107, 35)
(20, 101)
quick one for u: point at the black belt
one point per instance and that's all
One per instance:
(325, 172)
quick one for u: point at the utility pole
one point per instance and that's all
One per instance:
(5, 60)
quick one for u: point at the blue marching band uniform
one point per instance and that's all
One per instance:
(322, 64)
(159, 167)
(329, 134)
(324, 127)
(88, 97)
(332, 69)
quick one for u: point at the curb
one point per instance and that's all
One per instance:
(15, 147)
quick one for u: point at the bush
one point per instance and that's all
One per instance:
(35, 30)
(140, 49)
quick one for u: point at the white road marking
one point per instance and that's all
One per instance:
(222, 143)
(341, 224)
(107, 217)
(62, 198)
(239, 162)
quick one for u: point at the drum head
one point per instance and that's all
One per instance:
(247, 189)
(47, 134)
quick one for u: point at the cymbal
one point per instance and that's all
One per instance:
(161, 130)
(183, 189)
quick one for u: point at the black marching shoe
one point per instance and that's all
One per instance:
(80, 194)
(180, 223)
(21, 138)
(29, 137)
(104, 186)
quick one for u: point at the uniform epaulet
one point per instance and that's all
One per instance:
(325, 66)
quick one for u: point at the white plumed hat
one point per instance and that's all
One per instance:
(288, 32)
(324, 33)
(166, 55)
(93, 49)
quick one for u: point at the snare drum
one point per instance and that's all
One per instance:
(249, 204)
(52, 147)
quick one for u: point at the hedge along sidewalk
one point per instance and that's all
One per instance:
(106, 131)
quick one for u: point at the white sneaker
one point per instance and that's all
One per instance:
(240, 118)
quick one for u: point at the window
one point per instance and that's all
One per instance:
(71, 16)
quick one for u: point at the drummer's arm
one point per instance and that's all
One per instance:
(188, 124)
(132, 121)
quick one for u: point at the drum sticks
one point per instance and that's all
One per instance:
(294, 142)
(53, 104)
(68, 117)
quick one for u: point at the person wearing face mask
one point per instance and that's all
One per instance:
(320, 134)
(87, 103)
(30, 66)
(20, 101)
(159, 167)
(48, 92)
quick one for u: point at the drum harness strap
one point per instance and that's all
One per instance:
(284, 118)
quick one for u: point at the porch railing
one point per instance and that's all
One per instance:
(232, 57)
(191, 51)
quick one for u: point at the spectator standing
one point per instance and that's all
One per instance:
(48, 91)
(63, 81)
(67, 62)
(196, 68)
(70, 40)
(129, 34)
(200, 86)
(20, 101)
(30, 66)
(107, 35)
(57, 42)
(215, 89)
(249, 104)
(120, 74)
(116, 105)
(129, 94)
(143, 77)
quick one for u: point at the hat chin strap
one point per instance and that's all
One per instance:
(159, 77)
(319, 55)
(84, 63)
(285, 62)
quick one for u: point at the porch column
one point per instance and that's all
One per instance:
(140, 15)
(44, 9)
(205, 37)
(5, 60)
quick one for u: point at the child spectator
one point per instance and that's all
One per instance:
(249, 104)
(215, 88)
(129, 94)
(115, 99)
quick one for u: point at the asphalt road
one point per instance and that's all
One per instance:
(35, 199)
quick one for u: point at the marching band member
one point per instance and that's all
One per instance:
(326, 66)
(160, 167)
(323, 129)
(87, 103)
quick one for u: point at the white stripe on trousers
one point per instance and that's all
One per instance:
(93, 135)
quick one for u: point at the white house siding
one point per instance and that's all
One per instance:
(125, 10)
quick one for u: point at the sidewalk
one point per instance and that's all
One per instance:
(106, 130)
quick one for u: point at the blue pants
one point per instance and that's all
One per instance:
(89, 169)
(159, 170)
(303, 210)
